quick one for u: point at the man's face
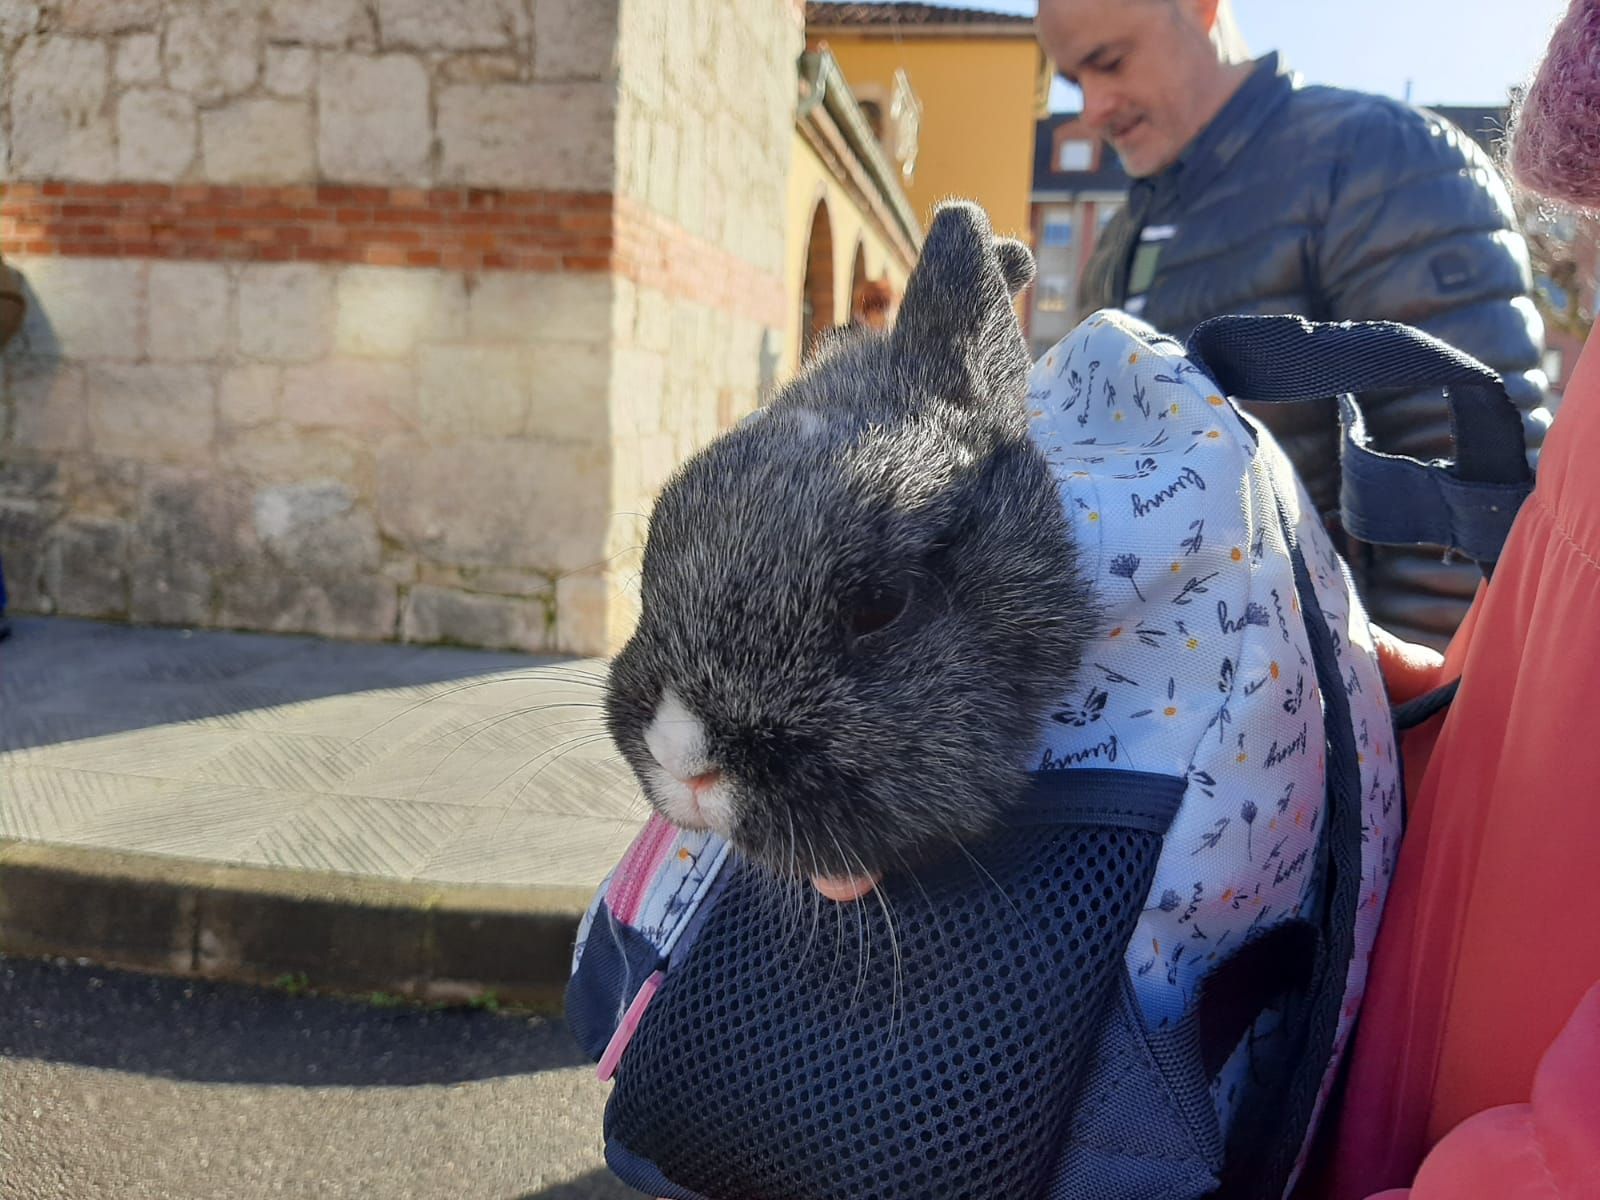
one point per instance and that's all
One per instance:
(1144, 66)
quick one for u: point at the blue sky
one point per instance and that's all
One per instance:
(1452, 51)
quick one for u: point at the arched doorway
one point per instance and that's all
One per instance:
(858, 281)
(816, 291)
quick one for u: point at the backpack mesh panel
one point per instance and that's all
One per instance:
(789, 1059)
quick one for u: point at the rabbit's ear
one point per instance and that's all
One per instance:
(1016, 264)
(956, 328)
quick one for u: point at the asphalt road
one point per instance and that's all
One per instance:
(130, 1086)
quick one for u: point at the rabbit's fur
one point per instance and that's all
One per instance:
(858, 604)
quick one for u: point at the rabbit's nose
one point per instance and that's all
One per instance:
(700, 783)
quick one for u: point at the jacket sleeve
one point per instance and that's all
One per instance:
(1420, 229)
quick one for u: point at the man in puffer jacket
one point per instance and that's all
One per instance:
(1253, 194)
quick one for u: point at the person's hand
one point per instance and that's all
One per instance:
(1409, 670)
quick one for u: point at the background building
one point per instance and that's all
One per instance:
(1078, 183)
(352, 320)
(980, 82)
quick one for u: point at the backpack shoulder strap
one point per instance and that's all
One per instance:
(1467, 504)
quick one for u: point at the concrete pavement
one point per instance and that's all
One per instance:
(425, 820)
(120, 1087)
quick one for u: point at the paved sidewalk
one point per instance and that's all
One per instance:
(379, 777)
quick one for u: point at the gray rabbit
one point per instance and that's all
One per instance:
(858, 604)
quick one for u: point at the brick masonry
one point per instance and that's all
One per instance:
(462, 229)
(348, 320)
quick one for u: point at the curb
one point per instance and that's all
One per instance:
(426, 941)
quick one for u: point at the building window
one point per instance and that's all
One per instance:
(1057, 232)
(1054, 291)
(873, 112)
(1075, 155)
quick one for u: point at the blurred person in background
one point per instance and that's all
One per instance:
(1254, 194)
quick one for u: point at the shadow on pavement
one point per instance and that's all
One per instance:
(597, 1185)
(64, 680)
(228, 1033)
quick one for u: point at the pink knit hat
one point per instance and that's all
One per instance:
(1555, 138)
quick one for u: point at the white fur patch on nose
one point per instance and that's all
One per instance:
(676, 738)
(677, 741)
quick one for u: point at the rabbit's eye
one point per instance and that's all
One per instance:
(876, 607)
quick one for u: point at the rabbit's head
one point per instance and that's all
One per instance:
(858, 603)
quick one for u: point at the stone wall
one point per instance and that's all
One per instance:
(354, 320)
(705, 121)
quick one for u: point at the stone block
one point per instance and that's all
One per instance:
(633, 147)
(107, 16)
(103, 485)
(85, 567)
(83, 308)
(316, 526)
(661, 189)
(282, 452)
(291, 70)
(659, 456)
(363, 397)
(434, 614)
(641, 42)
(569, 384)
(61, 120)
(139, 58)
(285, 312)
(540, 135)
(17, 19)
(574, 39)
(690, 201)
(373, 122)
(152, 412)
(653, 324)
(685, 41)
(386, 312)
(188, 315)
(508, 306)
(472, 24)
(593, 615)
(213, 51)
(248, 395)
(166, 591)
(465, 391)
(497, 503)
(49, 399)
(196, 516)
(401, 568)
(333, 23)
(481, 68)
(155, 134)
(259, 140)
(502, 582)
(24, 527)
(20, 480)
(340, 607)
(638, 380)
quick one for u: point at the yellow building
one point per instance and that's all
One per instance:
(981, 80)
(851, 233)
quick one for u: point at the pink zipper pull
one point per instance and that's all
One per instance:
(625, 1031)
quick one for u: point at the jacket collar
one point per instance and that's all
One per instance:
(1266, 87)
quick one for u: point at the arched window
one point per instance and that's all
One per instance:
(816, 291)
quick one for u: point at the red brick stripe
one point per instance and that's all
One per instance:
(463, 229)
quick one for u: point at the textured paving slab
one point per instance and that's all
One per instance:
(403, 763)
